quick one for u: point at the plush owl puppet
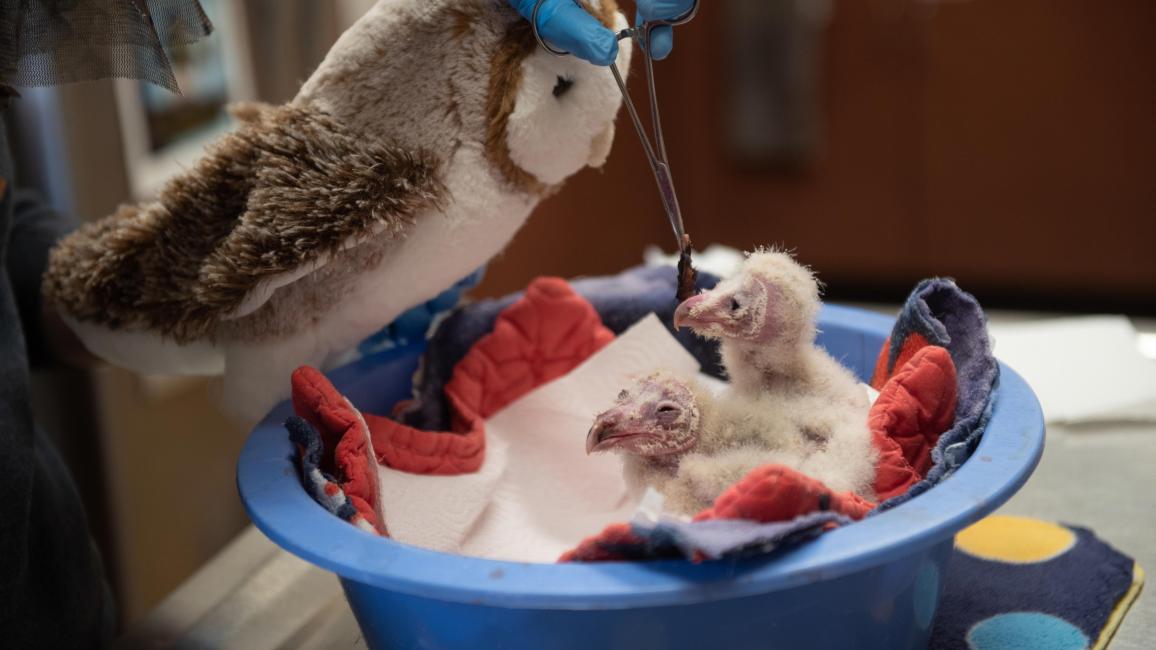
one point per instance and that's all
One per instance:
(408, 159)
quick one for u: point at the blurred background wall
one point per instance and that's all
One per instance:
(1008, 143)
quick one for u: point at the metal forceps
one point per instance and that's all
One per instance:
(656, 152)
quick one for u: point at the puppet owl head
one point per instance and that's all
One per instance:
(409, 158)
(446, 74)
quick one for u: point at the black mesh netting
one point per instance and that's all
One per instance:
(46, 42)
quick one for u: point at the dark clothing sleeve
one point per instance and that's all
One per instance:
(34, 229)
(52, 588)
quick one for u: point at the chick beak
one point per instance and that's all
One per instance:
(684, 315)
(605, 432)
(596, 435)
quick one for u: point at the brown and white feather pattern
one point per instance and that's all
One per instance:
(288, 187)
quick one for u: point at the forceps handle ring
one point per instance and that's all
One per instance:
(629, 32)
(656, 152)
(537, 36)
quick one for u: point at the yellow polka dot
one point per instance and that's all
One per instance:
(1018, 540)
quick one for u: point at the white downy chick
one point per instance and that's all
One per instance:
(691, 445)
(764, 317)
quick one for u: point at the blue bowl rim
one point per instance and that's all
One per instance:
(271, 491)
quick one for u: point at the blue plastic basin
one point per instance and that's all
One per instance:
(873, 584)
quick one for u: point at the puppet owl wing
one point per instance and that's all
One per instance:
(269, 203)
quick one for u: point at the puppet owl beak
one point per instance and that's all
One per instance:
(600, 147)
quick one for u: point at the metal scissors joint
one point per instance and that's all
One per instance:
(656, 151)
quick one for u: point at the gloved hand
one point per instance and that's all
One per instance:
(662, 38)
(566, 25)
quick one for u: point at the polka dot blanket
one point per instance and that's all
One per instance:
(1017, 583)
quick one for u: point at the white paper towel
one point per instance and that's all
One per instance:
(537, 494)
(1082, 369)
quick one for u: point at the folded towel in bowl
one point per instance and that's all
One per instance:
(917, 403)
(939, 313)
(1016, 582)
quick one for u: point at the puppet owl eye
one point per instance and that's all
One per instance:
(563, 86)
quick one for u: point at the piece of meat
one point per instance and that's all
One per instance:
(686, 273)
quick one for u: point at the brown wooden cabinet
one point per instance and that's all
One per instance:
(1011, 145)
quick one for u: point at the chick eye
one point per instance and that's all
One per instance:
(667, 408)
(735, 306)
(563, 86)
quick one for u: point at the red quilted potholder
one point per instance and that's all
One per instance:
(541, 337)
(915, 406)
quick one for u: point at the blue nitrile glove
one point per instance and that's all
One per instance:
(415, 324)
(565, 25)
(662, 38)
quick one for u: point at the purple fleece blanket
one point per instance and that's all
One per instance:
(949, 317)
